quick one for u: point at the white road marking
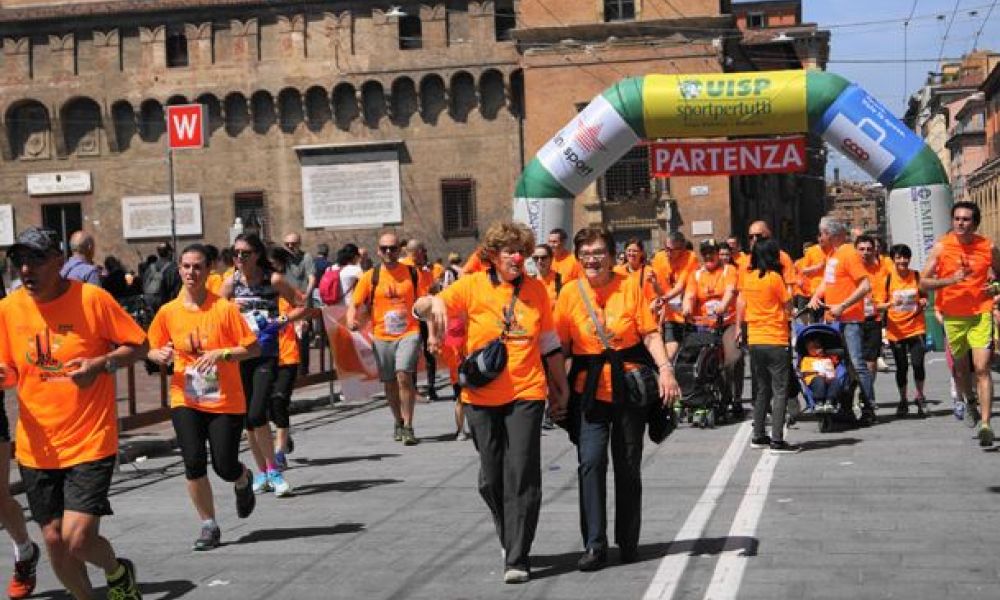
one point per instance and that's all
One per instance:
(728, 575)
(668, 573)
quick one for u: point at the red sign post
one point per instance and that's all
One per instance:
(728, 157)
(185, 130)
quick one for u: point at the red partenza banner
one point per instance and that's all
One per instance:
(732, 157)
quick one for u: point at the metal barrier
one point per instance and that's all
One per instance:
(142, 410)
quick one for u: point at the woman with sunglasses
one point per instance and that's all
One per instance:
(255, 287)
(542, 256)
(505, 413)
(205, 337)
(605, 325)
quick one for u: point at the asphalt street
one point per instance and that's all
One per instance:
(904, 509)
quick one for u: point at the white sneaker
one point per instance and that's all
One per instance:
(281, 487)
(513, 575)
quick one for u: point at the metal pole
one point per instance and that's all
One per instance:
(173, 209)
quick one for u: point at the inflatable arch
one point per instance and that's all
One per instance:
(740, 104)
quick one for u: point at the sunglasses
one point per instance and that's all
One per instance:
(242, 253)
(388, 249)
(757, 236)
(31, 258)
(541, 257)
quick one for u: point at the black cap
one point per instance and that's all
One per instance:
(37, 239)
(708, 245)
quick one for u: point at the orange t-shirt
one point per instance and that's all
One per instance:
(550, 285)
(814, 255)
(531, 334)
(877, 277)
(707, 288)
(669, 271)
(905, 316)
(288, 342)
(765, 315)
(968, 297)
(568, 266)
(392, 304)
(647, 288)
(437, 271)
(214, 283)
(844, 271)
(624, 314)
(216, 324)
(474, 264)
(60, 424)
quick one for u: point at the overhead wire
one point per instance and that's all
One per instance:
(975, 40)
(947, 30)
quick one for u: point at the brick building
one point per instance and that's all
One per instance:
(984, 183)
(333, 118)
(860, 206)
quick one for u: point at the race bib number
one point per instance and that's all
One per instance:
(251, 319)
(906, 300)
(676, 302)
(712, 307)
(395, 322)
(824, 367)
(201, 386)
(830, 273)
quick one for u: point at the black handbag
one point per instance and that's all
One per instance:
(484, 365)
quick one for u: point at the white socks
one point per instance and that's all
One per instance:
(23, 551)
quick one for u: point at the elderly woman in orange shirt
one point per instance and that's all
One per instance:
(605, 325)
(507, 313)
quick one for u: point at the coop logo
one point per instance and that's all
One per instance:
(588, 136)
(854, 149)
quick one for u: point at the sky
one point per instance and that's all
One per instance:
(867, 45)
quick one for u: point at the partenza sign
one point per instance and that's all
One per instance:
(731, 157)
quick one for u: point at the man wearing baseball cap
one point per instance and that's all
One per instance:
(60, 344)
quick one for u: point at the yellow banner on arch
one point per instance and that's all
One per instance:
(724, 104)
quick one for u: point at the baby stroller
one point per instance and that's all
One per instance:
(829, 335)
(698, 369)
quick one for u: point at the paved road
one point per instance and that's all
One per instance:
(906, 509)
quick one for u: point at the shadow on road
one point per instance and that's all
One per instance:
(338, 460)
(275, 535)
(353, 485)
(825, 444)
(551, 565)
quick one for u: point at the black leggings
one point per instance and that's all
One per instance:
(258, 375)
(914, 347)
(222, 431)
(281, 396)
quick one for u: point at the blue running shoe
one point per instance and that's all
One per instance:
(958, 408)
(277, 482)
(280, 460)
(261, 483)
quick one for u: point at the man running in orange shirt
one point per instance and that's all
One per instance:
(845, 283)
(672, 266)
(390, 299)
(958, 266)
(563, 261)
(60, 344)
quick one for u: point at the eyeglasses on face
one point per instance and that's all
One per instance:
(388, 249)
(593, 256)
(757, 236)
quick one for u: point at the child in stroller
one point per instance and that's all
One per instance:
(819, 372)
(823, 369)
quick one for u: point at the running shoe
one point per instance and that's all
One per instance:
(125, 587)
(22, 584)
(409, 439)
(971, 414)
(921, 414)
(281, 487)
(245, 499)
(211, 537)
(958, 408)
(291, 445)
(760, 443)
(461, 436)
(784, 447)
(398, 432)
(985, 435)
(515, 575)
(902, 409)
(280, 460)
(261, 483)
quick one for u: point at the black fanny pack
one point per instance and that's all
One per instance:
(484, 365)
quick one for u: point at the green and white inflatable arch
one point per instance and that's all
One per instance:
(740, 104)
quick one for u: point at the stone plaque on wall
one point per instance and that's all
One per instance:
(149, 216)
(6, 225)
(360, 194)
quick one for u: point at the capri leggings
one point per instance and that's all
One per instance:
(281, 397)
(222, 431)
(258, 375)
(909, 350)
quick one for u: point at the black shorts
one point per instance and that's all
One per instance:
(871, 340)
(81, 488)
(4, 423)
(673, 332)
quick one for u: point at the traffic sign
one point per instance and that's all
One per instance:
(186, 126)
